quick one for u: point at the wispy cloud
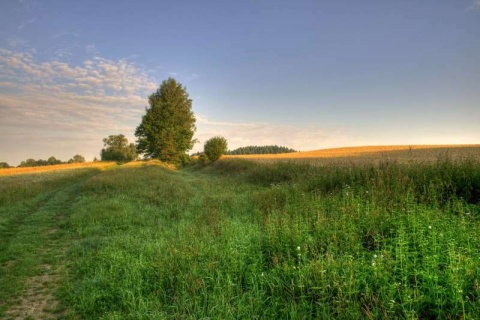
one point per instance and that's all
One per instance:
(91, 49)
(474, 6)
(192, 77)
(65, 33)
(23, 25)
(54, 99)
(16, 42)
(240, 134)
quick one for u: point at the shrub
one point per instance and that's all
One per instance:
(215, 148)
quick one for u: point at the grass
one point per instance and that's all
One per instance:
(245, 240)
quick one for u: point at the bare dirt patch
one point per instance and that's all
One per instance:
(38, 301)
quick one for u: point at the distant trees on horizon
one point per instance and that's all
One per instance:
(40, 162)
(271, 149)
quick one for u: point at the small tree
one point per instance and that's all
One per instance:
(4, 165)
(52, 160)
(118, 149)
(28, 163)
(215, 148)
(167, 128)
(77, 159)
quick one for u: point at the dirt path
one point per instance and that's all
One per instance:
(43, 229)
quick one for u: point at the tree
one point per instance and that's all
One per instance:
(77, 159)
(28, 163)
(4, 165)
(215, 148)
(52, 160)
(118, 149)
(167, 128)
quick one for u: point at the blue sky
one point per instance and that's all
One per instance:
(304, 74)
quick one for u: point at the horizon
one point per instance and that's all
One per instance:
(304, 75)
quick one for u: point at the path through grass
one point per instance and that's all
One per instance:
(242, 240)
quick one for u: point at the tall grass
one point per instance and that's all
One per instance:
(243, 240)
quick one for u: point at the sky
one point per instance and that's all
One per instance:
(303, 74)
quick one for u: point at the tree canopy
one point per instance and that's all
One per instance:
(4, 165)
(77, 159)
(215, 147)
(118, 149)
(274, 149)
(168, 125)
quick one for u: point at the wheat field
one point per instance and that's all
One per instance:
(400, 153)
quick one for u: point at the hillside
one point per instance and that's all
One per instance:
(239, 239)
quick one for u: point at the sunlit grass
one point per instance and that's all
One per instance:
(402, 153)
(239, 239)
(57, 167)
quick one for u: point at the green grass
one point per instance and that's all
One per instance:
(243, 240)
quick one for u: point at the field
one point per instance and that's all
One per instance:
(385, 234)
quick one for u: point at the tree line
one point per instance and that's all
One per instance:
(40, 162)
(272, 149)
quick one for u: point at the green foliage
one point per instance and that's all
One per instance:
(167, 128)
(52, 161)
(274, 149)
(118, 149)
(4, 165)
(246, 240)
(215, 147)
(36, 163)
(77, 159)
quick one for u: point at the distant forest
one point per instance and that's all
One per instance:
(260, 150)
(38, 163)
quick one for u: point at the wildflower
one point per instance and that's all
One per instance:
(298, 248)
(374, 256)
(373, 264)
(429, 227)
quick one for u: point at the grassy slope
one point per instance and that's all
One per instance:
(246, 240)
(32, 212)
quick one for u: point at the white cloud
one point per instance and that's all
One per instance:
(52, 99)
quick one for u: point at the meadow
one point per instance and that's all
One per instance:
(381, 237)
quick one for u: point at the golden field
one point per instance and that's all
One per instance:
(402, 153)
(63, 166)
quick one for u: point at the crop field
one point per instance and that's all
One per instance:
(393, 235)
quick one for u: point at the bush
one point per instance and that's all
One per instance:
(215, 148)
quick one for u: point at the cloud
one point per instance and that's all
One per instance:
(192, 77)
(91, 49)
(54, 99)
(474, 6)
(23, 25)
(16, 42)
(240, 134)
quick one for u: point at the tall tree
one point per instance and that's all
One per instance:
(167, 128)
(118, 149)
